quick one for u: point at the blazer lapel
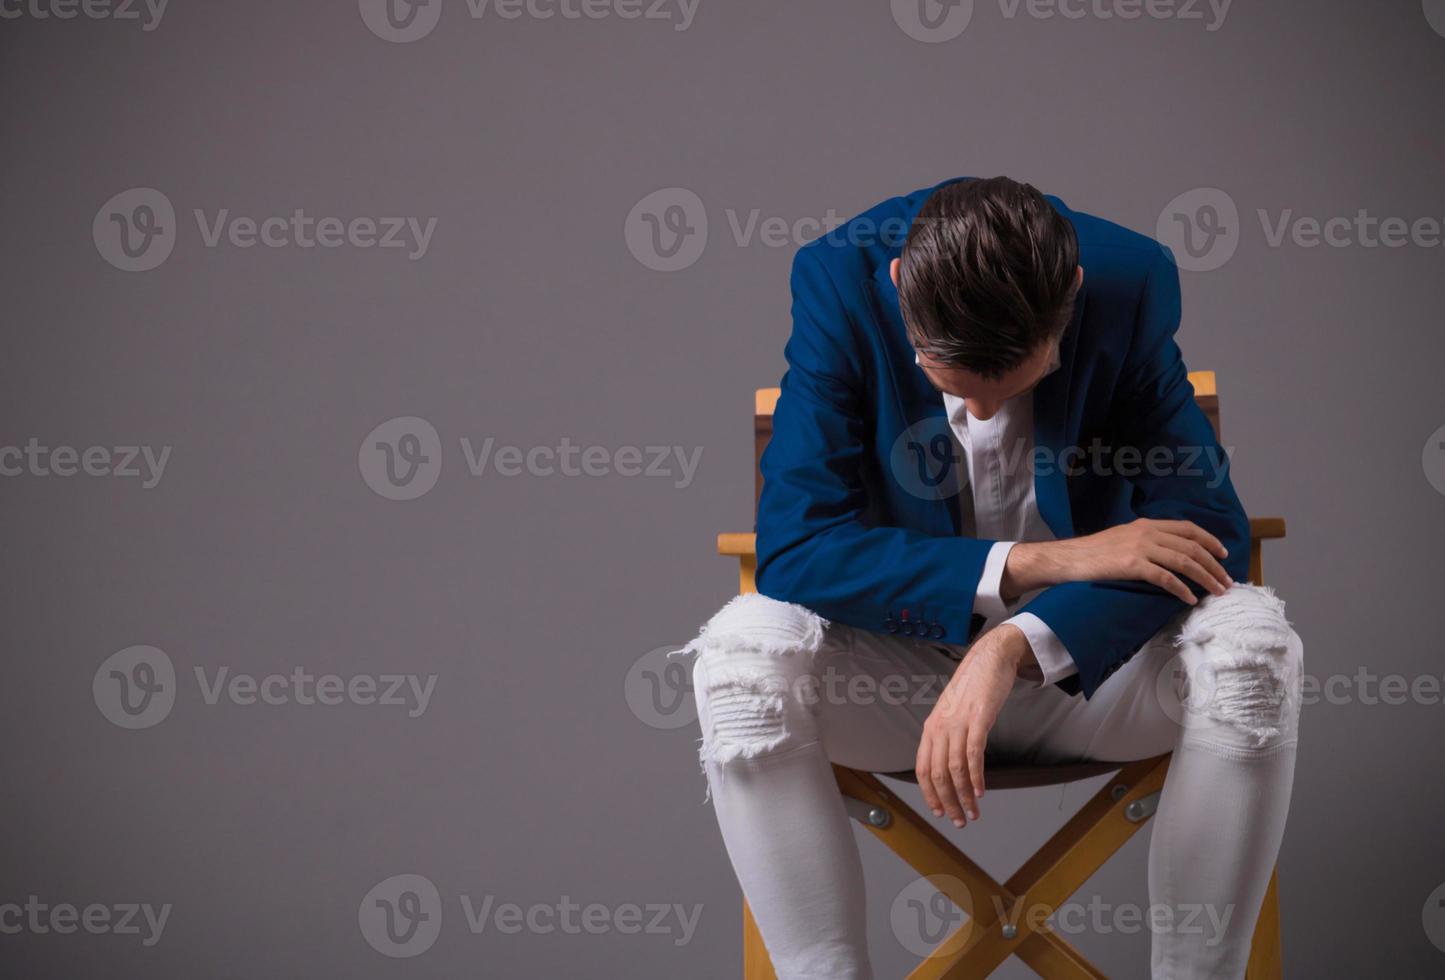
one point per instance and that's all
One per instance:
(919, 404)
(1051, 412)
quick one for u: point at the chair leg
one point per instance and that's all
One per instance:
(1059, 868)
(1265, 959)
(1046, 880)
(756, 964)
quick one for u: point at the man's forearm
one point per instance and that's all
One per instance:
(1164, 553)
(1009, 643)
(1032, 565)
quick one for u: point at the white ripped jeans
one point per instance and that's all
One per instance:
(781, 694)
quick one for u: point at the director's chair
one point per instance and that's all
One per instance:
(1060, 867)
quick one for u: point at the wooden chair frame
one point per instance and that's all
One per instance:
(1059, 868)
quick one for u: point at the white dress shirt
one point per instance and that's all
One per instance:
(998, 459)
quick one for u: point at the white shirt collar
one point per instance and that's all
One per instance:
(957, 409)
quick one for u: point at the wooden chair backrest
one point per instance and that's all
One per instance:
(766, 399)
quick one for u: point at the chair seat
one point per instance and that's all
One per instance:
(1025, 777)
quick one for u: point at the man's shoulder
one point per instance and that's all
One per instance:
(1111, 253)
(868, 241)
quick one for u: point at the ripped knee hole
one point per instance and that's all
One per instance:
(1243, 662)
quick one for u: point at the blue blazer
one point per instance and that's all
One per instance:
(859, 517)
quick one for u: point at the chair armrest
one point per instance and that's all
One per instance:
(1261, 528)
(744, 547)
(737, 544)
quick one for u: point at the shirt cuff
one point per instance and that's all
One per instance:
(988, 600)
(1054, 661)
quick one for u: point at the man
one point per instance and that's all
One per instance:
(988, 469)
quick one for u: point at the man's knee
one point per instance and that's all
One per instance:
(1245, 666)
(751, 677)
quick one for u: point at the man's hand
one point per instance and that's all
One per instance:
(1145, 550)
(950, 754)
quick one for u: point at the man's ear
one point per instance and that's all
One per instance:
(1079, 278)
(896, 263)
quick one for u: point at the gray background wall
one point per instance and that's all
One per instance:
(541, 768)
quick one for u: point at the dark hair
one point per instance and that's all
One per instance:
(987, 275)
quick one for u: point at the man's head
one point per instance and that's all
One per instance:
(986, 284)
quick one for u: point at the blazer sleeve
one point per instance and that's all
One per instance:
(1102, 624)
(815, 544)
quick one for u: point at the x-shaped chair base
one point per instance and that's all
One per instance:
(1035, 891)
